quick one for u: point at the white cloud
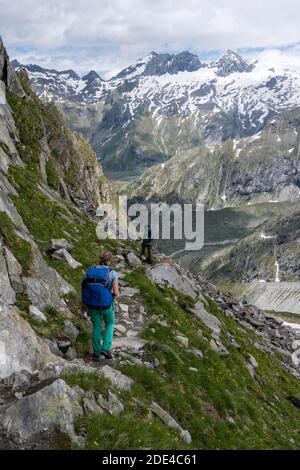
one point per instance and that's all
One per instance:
(109, 34)
(279, 59)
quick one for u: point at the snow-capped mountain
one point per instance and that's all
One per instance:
(161, 64)
(52, 85)
(166, 103)
(231, 62)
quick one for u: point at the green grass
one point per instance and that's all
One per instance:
(129, 432)
(221, 384)
(91, 381)
(136, 428)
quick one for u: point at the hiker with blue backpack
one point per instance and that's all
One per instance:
(99, 287)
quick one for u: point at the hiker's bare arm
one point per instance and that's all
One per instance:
(115, 288)
(82, 308)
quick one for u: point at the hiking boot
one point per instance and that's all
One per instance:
(106, 354)
(96, 358)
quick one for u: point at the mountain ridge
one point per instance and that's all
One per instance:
(146, 114)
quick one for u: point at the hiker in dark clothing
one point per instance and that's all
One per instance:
(99, 288)
(147, 245)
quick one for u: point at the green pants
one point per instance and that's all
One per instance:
(97, 317)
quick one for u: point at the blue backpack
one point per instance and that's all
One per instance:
(95, 292)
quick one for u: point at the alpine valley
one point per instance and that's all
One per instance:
(193, 366)
(175, 129)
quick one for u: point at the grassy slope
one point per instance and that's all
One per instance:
(261, 420)
(200, 401)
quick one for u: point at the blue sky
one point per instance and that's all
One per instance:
(107, 35)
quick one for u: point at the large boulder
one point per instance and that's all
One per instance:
(42, 294)
(45, 286)
(133, 261)
(165, 274)
(59, 244)
(54, 407)
(63, 254)
(21, 348)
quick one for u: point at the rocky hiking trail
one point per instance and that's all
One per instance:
(192, 368)
(46, 393)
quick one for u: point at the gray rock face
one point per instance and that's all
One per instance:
(116, 377)
(45, 286)
(20, 381)
(14, 270)
(133, 261)
(170, 422)
(63, 254)
(7, 206)
(42, 294)
(7, 294)
(53, 406)
(71, 354)
(22, 348)
(71, 330)
(112, 405)
(90, 406)
(53, 347)
(36, 315)
(7, 73)
(212, 322)
(166, 274)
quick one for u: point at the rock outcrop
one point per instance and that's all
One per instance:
(22, 348)
(7, 73)
(165, 274)
(54, 407)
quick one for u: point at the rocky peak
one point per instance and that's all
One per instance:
(92, 76)
(173, 63)
(160, 64)
(71, 74)
(231, 62)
